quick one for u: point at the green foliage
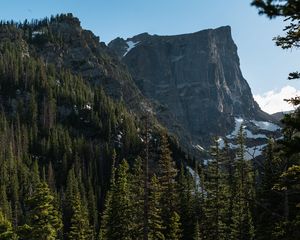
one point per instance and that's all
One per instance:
(118, 215)
(242, 220)
(54, 124)
(289, 9)
(175, 227)
(137, 199)
(215, 205)
(44, 219)
(6, 230)
(169, 197)
(80, 228)
(155, 219)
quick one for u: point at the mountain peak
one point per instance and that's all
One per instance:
(195, 76)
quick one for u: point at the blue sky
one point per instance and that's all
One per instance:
(264, 65)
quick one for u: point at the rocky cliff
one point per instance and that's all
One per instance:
(195, 77)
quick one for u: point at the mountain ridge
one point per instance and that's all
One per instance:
(195, 76)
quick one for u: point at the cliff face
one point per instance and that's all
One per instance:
(196, 77)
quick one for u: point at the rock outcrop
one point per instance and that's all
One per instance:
(196, 78)
(63, 42)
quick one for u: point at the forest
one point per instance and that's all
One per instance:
(76, 164)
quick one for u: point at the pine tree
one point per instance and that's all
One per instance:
(229, 185)
(45, 220)
(242, 222)
(270, 201)
(80, 228)
(169, 198)
(137, 199)
(92, 207)
(288, 181)
(6, 230)
(118, 216)
(175, 227)
(197, 234)
(187, 191)
(106, 226)
(155, 222)
(215, 207)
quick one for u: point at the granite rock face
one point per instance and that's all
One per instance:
(196, 78)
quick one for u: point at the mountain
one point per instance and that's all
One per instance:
(279, 115)
(84, 149)
(196, 78)
(70, 113)
(63, 42)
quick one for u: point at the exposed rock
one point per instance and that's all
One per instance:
(195, 77)
(67, 45)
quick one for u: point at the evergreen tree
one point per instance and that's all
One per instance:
(155, 222)
(197, 235)
(288, 181)
(229, 187)
(188, 190)
(169, 198)
(45, 220)
(137, 199)
(6, 230)
(242, 223)
(105, 228)
(175, 227)
(269, 207)
(215, 208)
(118, 218)
(80, 227)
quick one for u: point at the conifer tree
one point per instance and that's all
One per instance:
(169, 198)
(118, 217)
(4, 203)
(80, 227)
(228, 184)
(215, 208)
(270, 201)
(106, 226)
(197, 234)
(6, 229)
(45, 220)
(187, 191)
(175, 227)
(137, 199)
(155, 222)
(92, 207)
(242, 222)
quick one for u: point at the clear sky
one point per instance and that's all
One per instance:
(264, 65)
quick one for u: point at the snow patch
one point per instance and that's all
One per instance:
(221, 143)
(88, 107)
(195, 176)
(36, 33)
(254, 152)
(198, 147)
(266, 125)
(130, 45)
(238, 123)
(248, 134)
(206, 161)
